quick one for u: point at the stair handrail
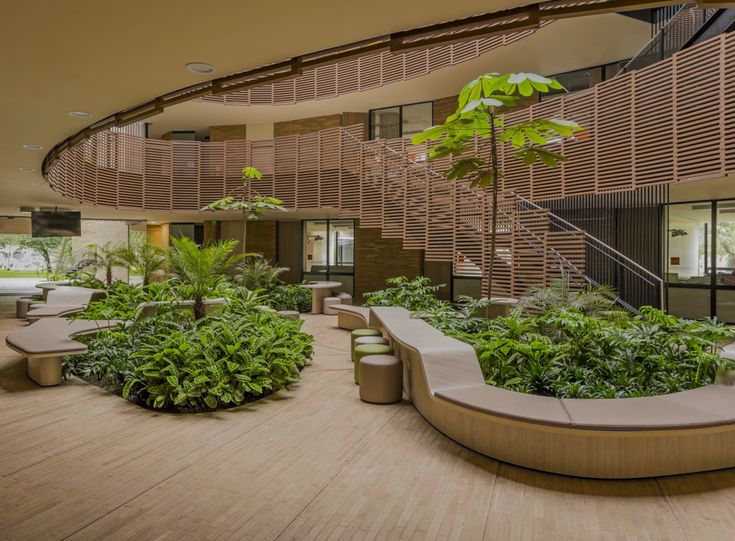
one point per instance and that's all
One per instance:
(662, 33)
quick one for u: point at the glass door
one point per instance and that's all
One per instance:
(329, 252)
(689, 259)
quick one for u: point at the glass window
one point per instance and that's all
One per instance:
(689, 244)
(725, 243)
(577, 80)
(329, 252)
(385, 123)
(401, 121)
(315, 246)
(341, 246)
(416, 118)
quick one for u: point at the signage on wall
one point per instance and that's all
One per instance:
(675, 261)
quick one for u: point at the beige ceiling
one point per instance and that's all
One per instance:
(103, 56)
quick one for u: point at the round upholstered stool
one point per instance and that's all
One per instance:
(381, 379)
(358, 333)
(367, 340)
(366, 350)
(344, 298)
(327, 304)
(290, 314)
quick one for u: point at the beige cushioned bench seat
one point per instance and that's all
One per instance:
(351, 317)
(46, 341)
(64, 300)
(519, 406)
(682, 432)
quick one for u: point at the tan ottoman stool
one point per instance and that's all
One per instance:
(358, 333)
(381, 379)
(327, 304)
(366, 350)
(344, 298)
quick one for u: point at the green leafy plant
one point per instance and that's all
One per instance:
(415, 295)
(145, 260)
(590, 300)
(201, 271)
(252, 207)
(258, 273)
(479, 114)
(289, 297)
(197, 365)
(568, 354)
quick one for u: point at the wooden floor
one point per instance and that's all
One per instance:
(311, 463)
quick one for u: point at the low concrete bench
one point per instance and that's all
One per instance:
(684, 432)
(351, 317)
(64, 301)
(45, 342)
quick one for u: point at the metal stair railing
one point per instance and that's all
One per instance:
(672, 36)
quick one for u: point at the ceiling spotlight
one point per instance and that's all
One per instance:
(27, 169)
(80, 114)
(200, 67)
(32, 147)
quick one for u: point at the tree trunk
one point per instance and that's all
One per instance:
(494, 220)
(108, 275)
(200, 310)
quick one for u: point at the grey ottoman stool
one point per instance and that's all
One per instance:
(290, 314)
(381, 379)
(327, 304)
(361, 341)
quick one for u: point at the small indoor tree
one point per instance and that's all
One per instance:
(479, 114)
(201, 271)
(146, 260)
(251, 208)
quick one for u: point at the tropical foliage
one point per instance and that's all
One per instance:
(145, 260)
(479, 114)
(201, 271)
(247, 201)
(166, 362)
(416, 295)
(258, 273)
(567, 354)
(289, 297)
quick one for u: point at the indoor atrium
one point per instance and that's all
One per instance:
(388, 270)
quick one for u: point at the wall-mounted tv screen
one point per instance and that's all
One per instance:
(56, 224)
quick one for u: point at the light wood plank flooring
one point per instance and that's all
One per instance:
(310, 463)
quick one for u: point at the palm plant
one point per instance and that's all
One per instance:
(590, 300)
(258, 273)
(146, 260)
(106, 258)
(201, 270)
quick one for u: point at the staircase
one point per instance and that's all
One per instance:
(673, 36)
(534, 247)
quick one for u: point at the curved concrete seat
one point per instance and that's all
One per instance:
(46, 341)
(64, 300)
(682, 432)
(351, 317)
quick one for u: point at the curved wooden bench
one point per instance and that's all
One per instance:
(684, 432)
(351, 317)
(45, 342)
(64, 301)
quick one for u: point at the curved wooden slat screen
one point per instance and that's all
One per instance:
(366, 72)
(671, 122)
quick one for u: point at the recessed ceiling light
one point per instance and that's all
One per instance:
(200, 67)
(27, 169)
(80, 114)
(32, 147)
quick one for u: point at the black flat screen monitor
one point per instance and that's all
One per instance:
(56, 224)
